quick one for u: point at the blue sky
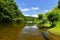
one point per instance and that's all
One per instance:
(34, 7)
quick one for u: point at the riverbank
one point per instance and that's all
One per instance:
(56, 30)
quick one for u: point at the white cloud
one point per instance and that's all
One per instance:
(34, 15)
(29, 9)
(35, 8)
(25, 9)
(46, 10)
(26, 14)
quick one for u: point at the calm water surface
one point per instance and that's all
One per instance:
(24, 32)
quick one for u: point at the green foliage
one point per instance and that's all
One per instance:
(49, 19)
(9, 11)
(40, 16)
(28, 18)
(54, 15)
(43, 18)
(36, 21)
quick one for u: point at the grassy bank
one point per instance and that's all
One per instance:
(56, 30)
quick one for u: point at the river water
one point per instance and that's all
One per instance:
(23, 32)
(30, 33)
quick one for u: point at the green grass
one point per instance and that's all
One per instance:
(56, 30)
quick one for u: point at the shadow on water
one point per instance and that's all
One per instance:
(45, 35)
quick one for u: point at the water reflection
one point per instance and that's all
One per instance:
(30, 30)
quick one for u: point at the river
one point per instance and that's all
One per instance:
(24, 32)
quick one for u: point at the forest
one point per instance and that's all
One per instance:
(9, 12)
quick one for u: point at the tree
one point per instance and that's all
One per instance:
(53, 16)
(9, 11)
(40, 16)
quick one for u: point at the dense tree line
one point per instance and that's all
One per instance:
(9, 11)
(29, 18)
(52, 16)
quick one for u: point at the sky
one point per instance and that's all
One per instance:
(34, 7)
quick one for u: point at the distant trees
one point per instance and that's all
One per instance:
(43, 18)
(29, 18)
(9, 11)
(40, 16)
